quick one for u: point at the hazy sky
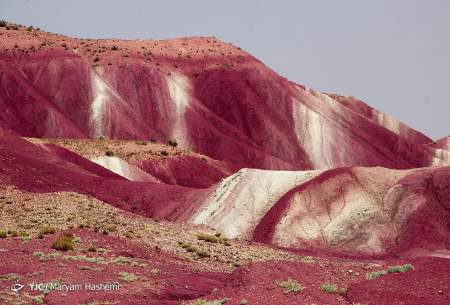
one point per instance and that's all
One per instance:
(393, 54)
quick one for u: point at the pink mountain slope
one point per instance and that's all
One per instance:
(382, 119)
(209, 96)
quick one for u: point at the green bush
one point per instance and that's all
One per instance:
(330, 288)
(208, 238)
(127, 277)
(290, 286)
(39, 299)
(64, 242)
(3, 234)
(3, 23)
(190, 248)
(212, 238)
(390, 269)
(173, 143)
(400, 268)
(375, 274)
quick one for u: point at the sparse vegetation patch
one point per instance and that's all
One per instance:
(46, 231)
(330, 288)
(127, 277)
(290, 286)
(390, 269)
(375, 274)
(190, 248)
(208, 302)
(9, 277)
(400, 268)
(217, 238)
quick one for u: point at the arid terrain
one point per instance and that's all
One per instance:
(189, 173)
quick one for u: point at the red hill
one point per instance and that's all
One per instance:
(188, 171)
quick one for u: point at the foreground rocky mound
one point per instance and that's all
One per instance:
(368, 210)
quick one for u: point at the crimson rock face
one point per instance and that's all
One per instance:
(288, 165)
(241, 112)
(443, 143)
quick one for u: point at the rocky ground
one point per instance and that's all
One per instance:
(158, 262)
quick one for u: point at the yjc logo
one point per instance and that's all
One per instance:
(16, 287)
